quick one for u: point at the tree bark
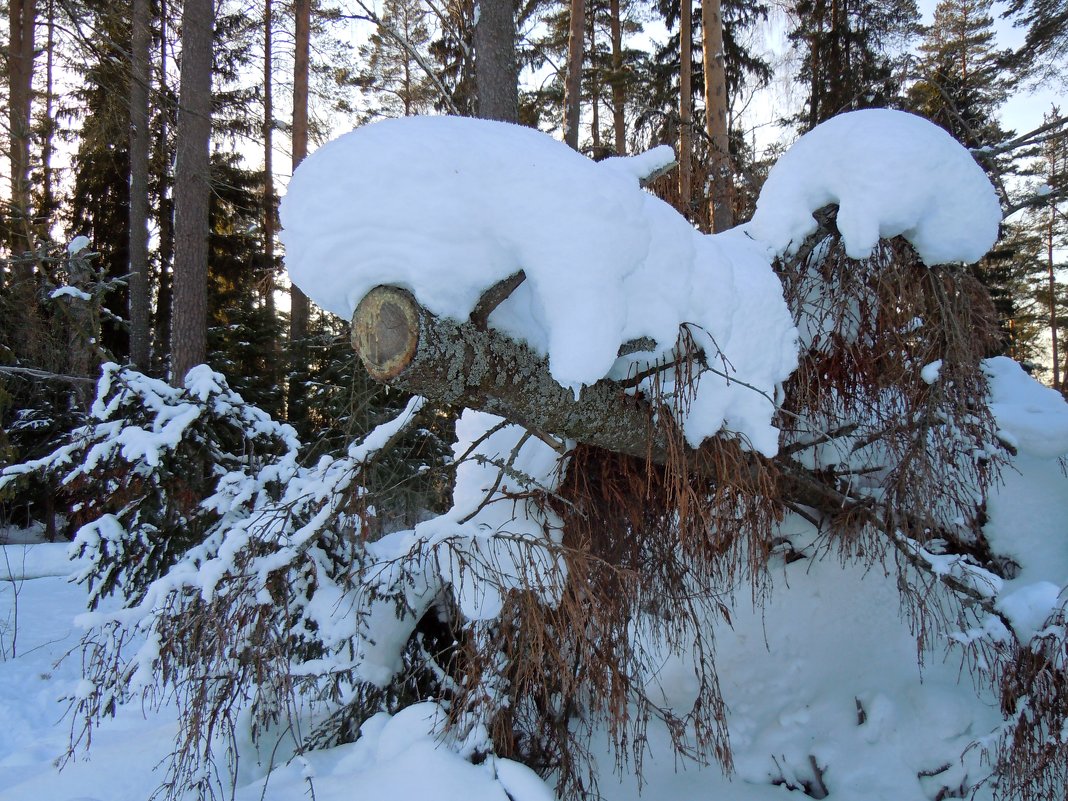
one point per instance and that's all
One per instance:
(405, 346)
(299, 306)
(1054, 344)
(573, 85)
(496, 72)
(619, 122)
(685, 107)
(191, 191)
(140, 44)
(268, 156)
(48, 125)
(722, 214)
(22, 21)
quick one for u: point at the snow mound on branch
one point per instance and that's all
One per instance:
(891, 173)
(446, 207)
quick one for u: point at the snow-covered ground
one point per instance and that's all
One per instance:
(822, 681)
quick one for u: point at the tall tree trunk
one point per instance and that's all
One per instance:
(299, 308)
(1054, 345)
(22, 21)
(596, 148)
(268, 156)
(48, 202)
(496, 72)
(140, 80)
(164, 179)
(576, 39)
(191, 191)
(716, 115)
(619, 122)
(686, 107)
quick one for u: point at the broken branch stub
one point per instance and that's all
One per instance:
(385, 332)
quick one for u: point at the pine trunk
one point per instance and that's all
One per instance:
(722, 214)
(496, 72)
(573, 85)
(299, 307)
(140, 77)
(268, 156)
(191, 192)
(22, 21)
(686, 107)
(619, 122)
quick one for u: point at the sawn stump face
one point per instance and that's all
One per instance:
(385, 332)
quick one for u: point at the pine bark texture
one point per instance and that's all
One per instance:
(405, 346)
(22, 20)
(298, 303)
(496, 71)
(140, 44)
(685, 106)
(573, 85)
(619, 122)
(268, 155)
(716, 115)
(299, 306)
(191, 191)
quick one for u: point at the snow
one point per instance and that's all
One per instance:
(605, 262)
(890, 173)
(37, 560)
(1030, 416)
(793, 675)
(1030, 606)
(930, 372)
(77, 245)
(69, 292)
(821, 682)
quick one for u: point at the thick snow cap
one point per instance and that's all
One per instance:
(448, 206)
(890, 173)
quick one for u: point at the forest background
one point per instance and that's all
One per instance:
(182, 263)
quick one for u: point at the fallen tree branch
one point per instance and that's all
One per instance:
(404, 345)
(44, 375)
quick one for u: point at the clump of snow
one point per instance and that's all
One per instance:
(1030, 416)
(930, 372)
(643, 165)
(69, 292)
(447, 207)
(77, 245)
(1029, 607)
(891, 173)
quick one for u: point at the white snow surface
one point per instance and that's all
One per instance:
(77, 245)
(448, 206)
(70, 292)
(796, 675)
(1030, 416)
(891, 173)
